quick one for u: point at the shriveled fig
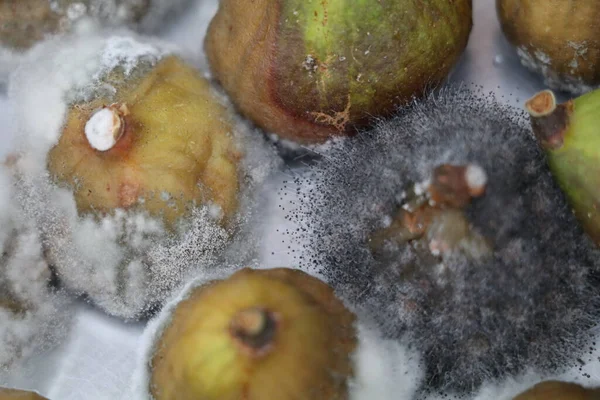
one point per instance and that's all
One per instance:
(133, 166)
(33, 315)
(308, 71)
(446, 225)
(162, 144)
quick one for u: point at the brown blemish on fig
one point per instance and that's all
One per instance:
(129, 192)
(338, 119)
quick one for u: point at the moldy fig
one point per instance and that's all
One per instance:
(558, 39)
(259, 335)
(135, 168)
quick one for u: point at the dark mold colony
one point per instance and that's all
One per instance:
(483, 285)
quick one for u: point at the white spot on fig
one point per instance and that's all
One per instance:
(104, 128)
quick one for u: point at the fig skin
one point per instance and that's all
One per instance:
(307, 356)
(308, 71)
(557, 39)
(568, 133)
(556, 390)
(176, 151)
(14, 394)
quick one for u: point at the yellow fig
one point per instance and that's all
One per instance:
(162, 144)
(259, 335)
(558, 39)
(556, 390)
(133, 166)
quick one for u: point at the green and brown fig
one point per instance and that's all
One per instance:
(558, 39)
(569, 134)
(557, 390)
(15, 394)
(308, 71)
(258, 335)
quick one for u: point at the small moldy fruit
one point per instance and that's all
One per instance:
(258, 335)
(568, 133)
(556, 390)
(557, 39)
(33, 315)
(308, 71)
(133, 167)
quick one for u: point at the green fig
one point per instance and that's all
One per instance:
(308, 71)
(569, 134)
(558, 39)
(277, 334)
(556, 390)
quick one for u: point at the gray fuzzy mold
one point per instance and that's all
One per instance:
(531, 303)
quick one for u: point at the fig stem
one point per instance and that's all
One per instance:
(450, 189)
(105, 127)
(456, 185)
(549, 120)
(254, 329)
